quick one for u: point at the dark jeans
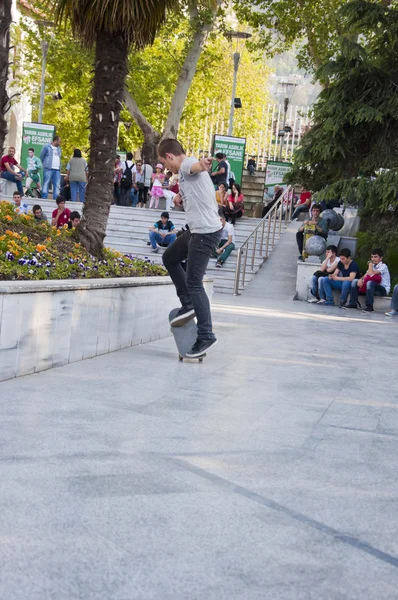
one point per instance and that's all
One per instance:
(394, 299)
(197, 248)
(372, 289)
(116, 193)
(143, 195)
(233, 216)
(300, 240)
(11, 177)
(299, 209)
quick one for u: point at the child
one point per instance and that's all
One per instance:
(157, 186)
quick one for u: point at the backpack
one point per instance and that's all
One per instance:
(126, 181)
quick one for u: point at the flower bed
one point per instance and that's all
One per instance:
(32, 251)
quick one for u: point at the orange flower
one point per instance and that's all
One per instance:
(77, 245)
(8, 218)
(25, 239)
(40, 247)
(8, 232)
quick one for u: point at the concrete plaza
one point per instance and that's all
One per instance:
(269, 472)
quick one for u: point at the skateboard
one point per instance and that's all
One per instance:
(184, 337)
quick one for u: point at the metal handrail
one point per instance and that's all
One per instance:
(263, 237)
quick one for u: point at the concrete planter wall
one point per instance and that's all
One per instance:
(45, 324)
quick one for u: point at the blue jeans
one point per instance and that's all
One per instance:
(327, 285)
(315, 284)
(154, 237)
(78, 188)
(394, 299)
(134, 197)
(196, 248)
(53, 175)
(372, 289)
(11, 177)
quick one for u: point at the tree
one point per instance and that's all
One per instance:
(355, 131)
(111, 27)
(202, 20)
(5, 24)
(313, 27)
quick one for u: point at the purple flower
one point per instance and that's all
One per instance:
(22, 261)
(72, 262)
(9, 256)
(31, 271)
(47, 272)
(48, 264)
(81, 265)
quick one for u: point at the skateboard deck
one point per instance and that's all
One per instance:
(184, 337)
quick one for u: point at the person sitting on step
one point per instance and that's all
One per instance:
(227, 242)
(328, 267)
(347, 270)
(393, 312)
(321, 227)
(376, 281)
(235, 205)
(161, 232)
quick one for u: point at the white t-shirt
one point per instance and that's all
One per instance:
(198, 199)
(332, 263)
(56, 164)
(227, 231)
(385, 276)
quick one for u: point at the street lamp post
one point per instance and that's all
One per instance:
(44, 49)
(241, 37)
(287, 91)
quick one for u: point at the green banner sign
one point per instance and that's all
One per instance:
(35, 135)
(275, 173)
(234, 148)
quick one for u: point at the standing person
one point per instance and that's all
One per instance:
(227, 242)
(157, 186)
(139, 184)
(77, 176)
(61, 215)
(7, 168)
(221, 173)
(196, 245)
(50, 156)
(230, 175)
(34, 165)
(376, 281)
(126, 182)
(117, 175)
(235, 205)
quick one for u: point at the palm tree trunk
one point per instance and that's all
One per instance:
(109, 77)
(5, 24)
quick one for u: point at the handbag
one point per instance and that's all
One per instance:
(375, 278)
(321, 274)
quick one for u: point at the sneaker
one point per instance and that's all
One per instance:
(201, 347)
(368, 309)
(321, 301)
(351, 306)
(313, 300)
(301, 258)
(343, 305)
(185, 314)
(328, 303)
(219, 264)
(392, 313)
(155, 250)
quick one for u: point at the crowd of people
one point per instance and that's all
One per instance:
(60, 217)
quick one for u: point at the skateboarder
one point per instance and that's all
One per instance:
(197, 245)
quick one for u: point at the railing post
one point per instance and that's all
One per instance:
(254, 249)
(280, 219)
(291, 205)
(268, 234)
(262, 239)
(237, 272)
(274, 226)
(245, 264)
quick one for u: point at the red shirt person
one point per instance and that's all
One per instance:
(61, 215)
(8, 172)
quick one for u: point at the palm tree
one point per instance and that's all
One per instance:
(5, 24)
(112, 27)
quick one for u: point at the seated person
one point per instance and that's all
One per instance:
(74, 219)
(328, 267)
(20, 207)
(278, 191)
(227, 242)
(304, 203)
(375, 267)
(347, 270)
(394, 304)
(38, 214)
(160, 233)
(235, 205)
(61, 215)
(251, 165)
(321, 228)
